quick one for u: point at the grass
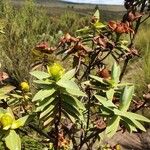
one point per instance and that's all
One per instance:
(58, 3)
(139, 70)
(25, 25)
(56, 8)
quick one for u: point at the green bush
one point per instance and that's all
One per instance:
(23, 28)
(139, 70)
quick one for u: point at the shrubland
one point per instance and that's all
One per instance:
(67, 95)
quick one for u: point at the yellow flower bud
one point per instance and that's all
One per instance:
(6, 121)
(25, 86)
(56, 71)
(1, 114)
(118, 147)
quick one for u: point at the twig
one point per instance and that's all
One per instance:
(57, 122)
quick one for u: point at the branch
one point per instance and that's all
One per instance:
(92, 135)
(38, 130)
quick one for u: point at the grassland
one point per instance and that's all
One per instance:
(21, 40)
(55, 8)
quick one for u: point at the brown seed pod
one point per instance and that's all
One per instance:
(112, 25)
(104, 73)
(67, 39)
(3, 76)
(44, 48)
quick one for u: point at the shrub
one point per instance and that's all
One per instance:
(74, 107)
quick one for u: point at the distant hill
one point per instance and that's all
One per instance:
(57, 7)
(59, 3)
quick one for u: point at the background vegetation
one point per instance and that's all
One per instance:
(26, 25)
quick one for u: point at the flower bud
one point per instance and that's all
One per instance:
(25, 86)
(6, 121)
(56, 71)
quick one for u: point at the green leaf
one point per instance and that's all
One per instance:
(125, 47)
(71, 110)
(16, 96)
(84, 30)
(71, 87)
(19, 123)
(75, 92)
(131, 115)
(106, 103)
(110, 82)
(2, 110)
(99, 25)
(137, 117)
(112, 126)
(69, 75)
(120, 113)
(48, 111)
(9, 110)
(47, 82)
(106, 111)
(48, 121)
(45, 103)
(126, 98)
(97, 15)
(124, 84)
(6, 89)
(40, 74)
(98, 79)
(110, 94)
(13, 141)
(115, 72)
(68, 84)
(42, 94)
(3, 96)
(73, 101)
(138, 125)
(133, 118)
(129, 124)
(71, 117)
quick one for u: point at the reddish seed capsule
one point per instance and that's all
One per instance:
(104, 73)
(112, 25)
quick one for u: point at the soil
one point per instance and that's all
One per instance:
(131, 141)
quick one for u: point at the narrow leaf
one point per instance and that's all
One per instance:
(126, 98)
(75, 92)
(45, 103)
(69, 75)
(40, 74)
(97, 15)
(47, 82)
(130, 126)
(19, 123)
(6, 89)
(110, 94)
(68, 84)
(72, 111)
(71, 117)
(48, 121)
(115, 72)
(98, 79)
(73, 101)
(137, 117)
(13, 141)
(106, 103)
(112, 126)
(42, 94)
(48, 111)
(138, 125)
